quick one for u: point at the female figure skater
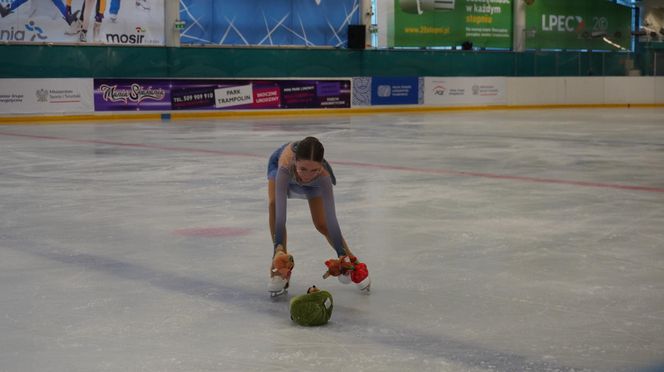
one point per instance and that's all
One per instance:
(298, 170)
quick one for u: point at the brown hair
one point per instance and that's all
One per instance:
(310, 149)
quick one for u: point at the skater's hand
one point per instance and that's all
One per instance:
(333, 268)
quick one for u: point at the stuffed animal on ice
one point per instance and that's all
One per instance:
(313, 308)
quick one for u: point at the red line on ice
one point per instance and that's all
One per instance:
(212, 232)
(362, 165)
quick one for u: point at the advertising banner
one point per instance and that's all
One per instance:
(203, 94)
(132, 95)
(260, 22)
(430, 23)
(362, 91)
(43, 96)
(135, 22)
(568, 24)
(395, 91)
(465, 91)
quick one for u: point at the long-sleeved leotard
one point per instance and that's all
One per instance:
(281, 169)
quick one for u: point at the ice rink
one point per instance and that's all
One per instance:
(496, 241)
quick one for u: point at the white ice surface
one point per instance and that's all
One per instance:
(496, 241)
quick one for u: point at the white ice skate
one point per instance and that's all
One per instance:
(74, 28)
(348, 269)
(277, 286)
(363, 285)
(280, 272)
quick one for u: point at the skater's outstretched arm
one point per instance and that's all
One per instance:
(280, 196)
(334, 236)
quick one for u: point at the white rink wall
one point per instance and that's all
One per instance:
(609, 90)
(61, 98)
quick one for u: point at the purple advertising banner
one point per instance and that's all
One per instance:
(211, 94)
(132, 95)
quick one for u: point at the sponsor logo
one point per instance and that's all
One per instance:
(439, 90)
(42, 95)
(135, 93)
(384, 91)
(476, 89)
(37, 32)
(562, 23)
(136, 38)
(234, 96)
(30, 32)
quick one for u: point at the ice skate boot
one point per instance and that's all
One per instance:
(280, 272)
(360, 276)
(74, 28)
(349, 269)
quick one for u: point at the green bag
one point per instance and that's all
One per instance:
(311, 309)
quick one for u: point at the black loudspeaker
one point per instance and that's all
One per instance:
(357, 36)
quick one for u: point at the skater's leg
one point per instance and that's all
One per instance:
(115, 7)
(87, 8)
(99, 17)
(100, 9)
(271, 187)
(318, 216)
(84, 20)
(73, 19)
(114, 10)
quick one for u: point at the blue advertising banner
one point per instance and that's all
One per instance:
(203, 94)
(260, 22)
(395, 91)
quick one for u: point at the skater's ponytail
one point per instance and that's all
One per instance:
(310, 149)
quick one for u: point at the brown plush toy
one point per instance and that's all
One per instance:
(339, 266)
(283, 264)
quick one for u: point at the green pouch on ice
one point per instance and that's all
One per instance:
(311, 309)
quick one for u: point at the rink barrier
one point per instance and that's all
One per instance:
(71, 100)
(174, 116)
(67, 61)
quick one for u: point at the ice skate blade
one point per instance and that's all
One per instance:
(277, 294)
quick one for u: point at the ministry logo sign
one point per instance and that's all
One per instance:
(42, 95)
